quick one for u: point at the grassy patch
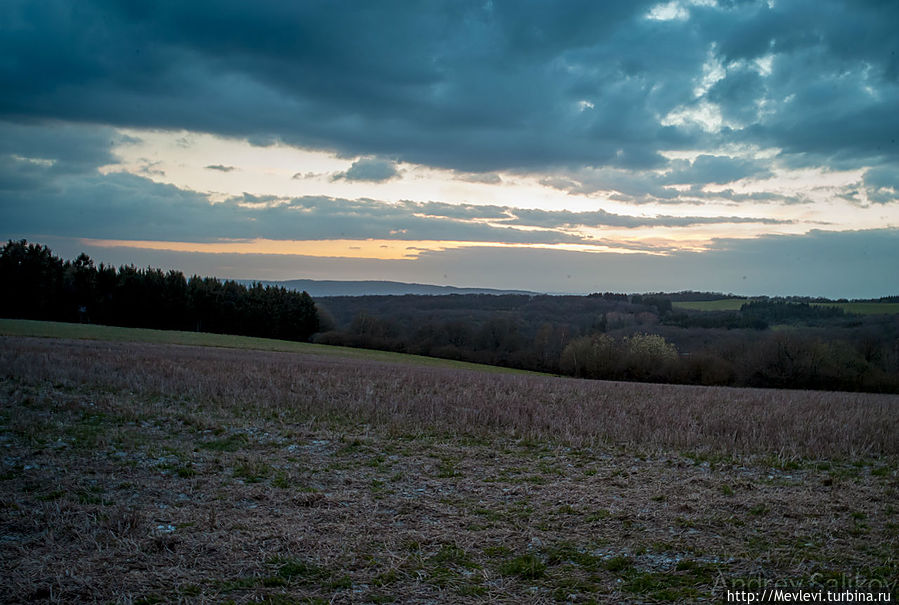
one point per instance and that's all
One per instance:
(452, 554)
(252, 471)
(687, 581)
(300, 571)
(566, 552)
(447, 469)
(52, 329)
(724, 304)
(618, 563)
(231, 443)
(528, 567)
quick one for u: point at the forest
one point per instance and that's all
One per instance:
(776, 343)
(799, 343)
(41, 286)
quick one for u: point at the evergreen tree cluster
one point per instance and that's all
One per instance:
(41, 286)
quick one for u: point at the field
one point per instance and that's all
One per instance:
(865, 308)
(53, 329)
(734, 304)
(725, 304)
(147, 472)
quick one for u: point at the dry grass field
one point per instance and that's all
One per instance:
(158, 473)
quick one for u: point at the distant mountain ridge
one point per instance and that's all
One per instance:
(321, 288)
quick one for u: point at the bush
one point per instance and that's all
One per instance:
(637, 357)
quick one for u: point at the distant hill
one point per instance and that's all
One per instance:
(318, 288)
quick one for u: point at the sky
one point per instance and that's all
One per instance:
(559, 146)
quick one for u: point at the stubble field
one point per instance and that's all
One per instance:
(144, 473)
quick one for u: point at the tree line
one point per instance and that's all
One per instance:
(772, 343)
(40, 285)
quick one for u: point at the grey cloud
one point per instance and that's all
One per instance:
(561, 183)
(757, 197)
(220, 168)
(716, 169)
(738, 94)
(635, 186)
(458, 211)
(601, 218)
(366, 218)
(63, 149)
(125, 206)
(150, 168)
(369, 169)
(299, 176)
(882, 184)
(34, 161)
(640, 187)
(488, 178)
(115, 206)
(834, 78)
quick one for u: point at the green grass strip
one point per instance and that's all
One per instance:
(52, 329)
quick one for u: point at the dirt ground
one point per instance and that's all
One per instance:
(123, 490)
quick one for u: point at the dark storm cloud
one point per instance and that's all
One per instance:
(33, 157)
(475, 86)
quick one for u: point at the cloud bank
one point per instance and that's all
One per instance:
(725, 111)
(468, 85)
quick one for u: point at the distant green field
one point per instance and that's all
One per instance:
(50, 329)
(725, 304)
(734, 304)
